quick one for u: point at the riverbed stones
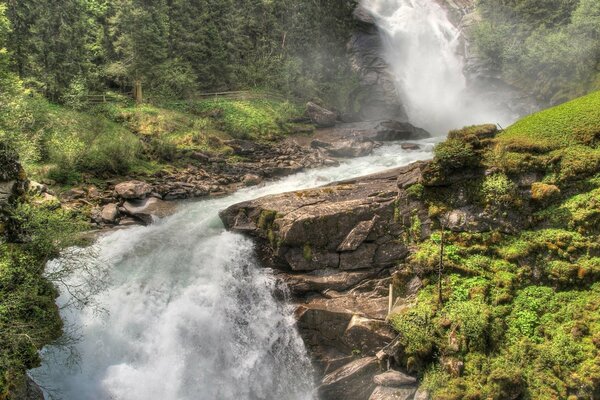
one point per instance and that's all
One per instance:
(133, 190)
(109, 213)
(146, 210)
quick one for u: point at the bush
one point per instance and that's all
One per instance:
(455, 154)
(498, 190)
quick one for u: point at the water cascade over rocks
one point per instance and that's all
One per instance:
(189, 313)
(425, 52)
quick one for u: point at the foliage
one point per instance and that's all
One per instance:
(549, 48)
(177, 47)
(29, 318)
(455, 153)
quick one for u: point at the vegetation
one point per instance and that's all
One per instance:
(549, 48)
(520, 316)
(175, 48)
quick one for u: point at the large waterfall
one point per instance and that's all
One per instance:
(423, 49)
(188, 314)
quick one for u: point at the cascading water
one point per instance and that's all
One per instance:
(189, 313)
(423, 49)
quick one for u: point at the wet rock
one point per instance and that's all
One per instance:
(133, 190)
(350, 148)
(109, 213)
(146, 210)
(251, 180)
(367, 335)
(391, 393)
(393, 130)
(318, 281)
(352, 381)
(410, 146)
(320, 116)
(393, 378)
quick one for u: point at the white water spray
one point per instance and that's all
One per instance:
(423, 49)
(190, 314)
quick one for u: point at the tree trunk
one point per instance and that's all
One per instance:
(137, 92)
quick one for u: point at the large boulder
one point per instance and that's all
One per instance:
(133, 190)
(320, 116)
(350, 148)
(352, 381)
(325, 227)
(148, 209)
(393, 378)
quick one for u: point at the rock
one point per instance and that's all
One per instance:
(196, 155)
(146, 210)
(350, 148)
(109, 213)
(393, 130)
(393, 378)
(320, 116)
(37, 188)
(93, 192)
(28, 390)
(390, 393)
(410, 146)
(7, 191)
(133, 190)
(352, 381)
(74, 194)
(251, 180)
(306, 230)
(367, 335)
(357, 235)
(422, 394)
(318, 281)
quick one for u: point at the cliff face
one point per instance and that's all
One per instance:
(377, 97)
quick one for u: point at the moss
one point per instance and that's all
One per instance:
(455, 154)
(416, 191)
(544, 193)
(498, 189)
(307, 252)
(266, 219)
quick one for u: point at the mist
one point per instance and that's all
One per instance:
(423, 50)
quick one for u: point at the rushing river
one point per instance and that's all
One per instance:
(188, 313)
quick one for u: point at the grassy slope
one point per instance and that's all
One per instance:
(521, 311)
(119, 139)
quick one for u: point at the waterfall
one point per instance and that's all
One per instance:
(424, 51)
(188, 313)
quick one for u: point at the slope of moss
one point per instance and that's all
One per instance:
(520, 316)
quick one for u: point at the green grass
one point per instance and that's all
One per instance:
(572, 123)
(248, 119)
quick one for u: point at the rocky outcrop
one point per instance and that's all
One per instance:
(376, 98)
(13, 183)
(337, 248)
(325, 227)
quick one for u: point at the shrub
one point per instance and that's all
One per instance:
(498, 189)
(455, 153)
